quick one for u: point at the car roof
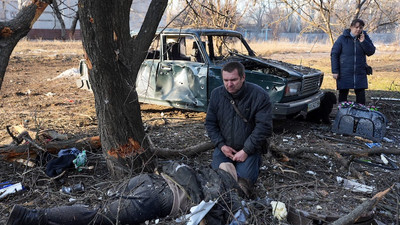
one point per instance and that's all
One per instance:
(202, 31)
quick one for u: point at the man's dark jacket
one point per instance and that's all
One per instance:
(348, 59)
(224, 125)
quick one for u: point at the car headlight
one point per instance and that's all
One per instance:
(292, 88)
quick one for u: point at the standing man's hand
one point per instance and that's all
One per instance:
(228, 151)
(362, 37)
(335, 76)
(240, 156)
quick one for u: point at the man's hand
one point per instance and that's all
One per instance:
(240, 156)
(362, 37)
(335, 76)
(228, 151)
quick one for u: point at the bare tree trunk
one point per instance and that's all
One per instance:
(12, 31)
(73, 26)
(57, 12)
(114, 59)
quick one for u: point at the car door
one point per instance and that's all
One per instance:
(146, 79)
(181, 80)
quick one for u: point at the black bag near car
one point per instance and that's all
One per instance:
(358, 120)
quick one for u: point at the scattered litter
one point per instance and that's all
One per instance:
(197, 213)
(318, 207)
(77, 188)
(388, 140)
(388, 163)
(321, 156)
(279, 210)
(70, 73)
(371, 145)
(311, 172)
(240, 216)
(384, 160)
(66, 159)
(355, 186)
(26, 162)
(69, 151)
(50, 94)
(298, 136)
(264, 168)
(80, 160)
(8, 188)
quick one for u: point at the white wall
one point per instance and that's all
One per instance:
(9, 8)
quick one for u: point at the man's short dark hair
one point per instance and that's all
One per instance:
(355, 21)
(231, 66)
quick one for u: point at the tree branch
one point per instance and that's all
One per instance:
(365, 207)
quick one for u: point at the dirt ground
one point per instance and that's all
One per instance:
(34, 94)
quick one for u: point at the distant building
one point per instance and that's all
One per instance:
(48, 27)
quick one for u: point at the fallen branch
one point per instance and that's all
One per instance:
(355, 152)
(189, 151)
(11, 152)
(366, 206)
(339, 140)
(326, 151)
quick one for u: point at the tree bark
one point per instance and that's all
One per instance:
(114, 59)
(12, 31)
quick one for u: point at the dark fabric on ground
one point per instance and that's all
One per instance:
(56, 166)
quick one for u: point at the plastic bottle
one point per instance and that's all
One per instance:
(74, 189)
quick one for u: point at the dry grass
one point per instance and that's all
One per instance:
(269, 48)
(40, 47)
(316, 55)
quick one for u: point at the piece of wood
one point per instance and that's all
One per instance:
(363, 208)
(11, 152)
(189, 151)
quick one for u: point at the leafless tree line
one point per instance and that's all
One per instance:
(58, 7)
(297, 16)
(329, 17)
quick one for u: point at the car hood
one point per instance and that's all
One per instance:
(282, 69)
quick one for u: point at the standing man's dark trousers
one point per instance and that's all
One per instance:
(146, 197)
(360, 95)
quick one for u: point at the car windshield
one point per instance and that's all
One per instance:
(221, 47)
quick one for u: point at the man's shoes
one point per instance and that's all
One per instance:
(21, 215)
